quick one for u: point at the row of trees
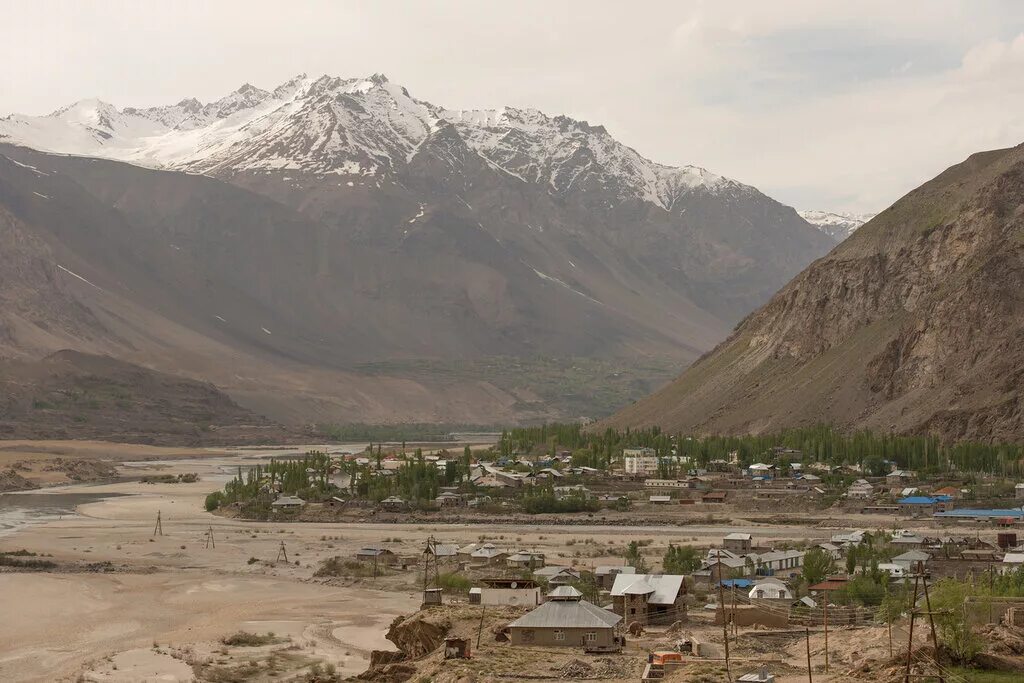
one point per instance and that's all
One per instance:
(821, 443)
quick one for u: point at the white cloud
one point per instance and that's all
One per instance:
(822, 105)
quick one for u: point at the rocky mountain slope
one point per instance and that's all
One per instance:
(913, 324)
(312, 247)
(838, 226)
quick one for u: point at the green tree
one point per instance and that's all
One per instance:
(635, 559)
(818, 564)
(682, 559)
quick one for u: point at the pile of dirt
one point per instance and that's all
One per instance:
(420, 634)
(83, 470)
(576, 669)
(1003, 640)
(12, 480)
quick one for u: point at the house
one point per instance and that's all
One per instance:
(924, 505)
(860, 489)
(488, 554)
(442, 551)
(287, 503)
(770, 589)
(737, 542)
(574, 491)
(897, 477)
(786, 562)
(557, 576)
(910, 559)
(848, 539)
(639, 461)
(908, 541)
(605, 574)
(759, 469)
(509, 592)
(1018, 491)
(713, 497)
(660, 500)
(566, 619)
(951, 492)
(760, 676)
(449, 500)
(832, 583)
(393, 503)
(466, 551)
(649, 598)
(833, 550)
(723, 567)
(376, 554)
(525, 559)
(896, 571)
(1011, 562)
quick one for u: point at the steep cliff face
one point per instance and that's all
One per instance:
(915, 323)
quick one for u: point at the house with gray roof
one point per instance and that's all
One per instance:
(649, 598)
(565, 619)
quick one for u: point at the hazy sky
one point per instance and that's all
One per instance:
(833, 105)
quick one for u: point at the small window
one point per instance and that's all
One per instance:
(559, 635)
(591, 636)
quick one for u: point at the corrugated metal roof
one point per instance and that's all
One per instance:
(565, 593)
(666, 586)
(567, 614)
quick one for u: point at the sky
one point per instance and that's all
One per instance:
(823, 105)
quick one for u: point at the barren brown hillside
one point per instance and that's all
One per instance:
(914, 324)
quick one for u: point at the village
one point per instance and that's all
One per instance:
(874, 542)
(527, 565)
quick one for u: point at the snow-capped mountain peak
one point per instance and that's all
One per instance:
(836, 225)
(355, 126)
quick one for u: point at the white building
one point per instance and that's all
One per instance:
(640, 461)
(770, 589)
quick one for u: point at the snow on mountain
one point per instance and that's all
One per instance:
(838, 226)
(360, 126)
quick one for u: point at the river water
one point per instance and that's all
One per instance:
(20, 509)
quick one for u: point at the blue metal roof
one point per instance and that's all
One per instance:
(738, 583)
(924, 500)
(967, 512)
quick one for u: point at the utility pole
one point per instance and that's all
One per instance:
(210, 541)
(735, 628)
(158, 530)
(282, 552)
(725, 624)
(480, 628)
(931, 619)
(810, 678)
(826, 631)
(910, 636)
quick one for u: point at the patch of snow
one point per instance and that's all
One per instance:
(76, 275)
(31, 168)
(265, 330)
(220, 318)
(40, 194)
(549, 278)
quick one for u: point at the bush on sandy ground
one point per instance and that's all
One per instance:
(246, 639)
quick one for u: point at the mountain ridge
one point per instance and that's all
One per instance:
(912, 324)
(330, 225)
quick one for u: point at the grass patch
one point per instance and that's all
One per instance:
(337, 566)
(455, 583)
(976, 676)
(247, 639)
(23, 559)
